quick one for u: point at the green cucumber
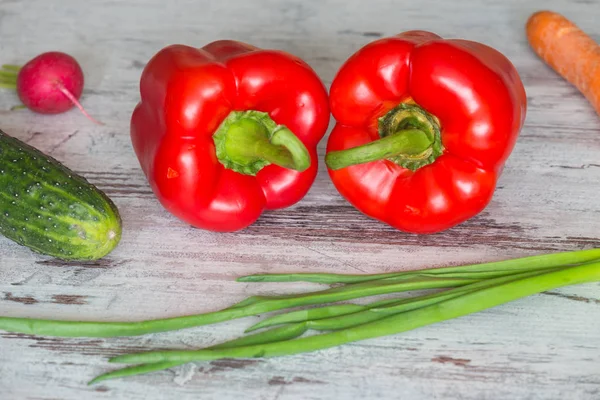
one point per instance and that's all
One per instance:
(50, 209)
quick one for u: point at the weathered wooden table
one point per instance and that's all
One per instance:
(543, 347)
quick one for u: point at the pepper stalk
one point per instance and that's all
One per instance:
(409, 137)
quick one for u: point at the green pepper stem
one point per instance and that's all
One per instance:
(248, 141)
(407, 142)
(285, 150)
(409, 137)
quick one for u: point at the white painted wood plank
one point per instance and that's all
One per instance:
(543, 347)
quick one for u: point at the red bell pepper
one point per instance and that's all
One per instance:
(228, 130)
(424, 127)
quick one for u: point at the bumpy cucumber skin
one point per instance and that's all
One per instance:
(50, 209)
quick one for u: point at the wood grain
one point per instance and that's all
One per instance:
(542, 347)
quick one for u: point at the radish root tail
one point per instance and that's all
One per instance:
(76, 102)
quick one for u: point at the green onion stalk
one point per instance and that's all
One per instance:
(458, 291)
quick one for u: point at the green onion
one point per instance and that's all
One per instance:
(307, 315)
(273, 335)
(136, 370)
(468, 289)
(253, 306)
(515, 265)
(414, 303)
(465, 304)
(333, 317)
(347, 315)
(318, 313)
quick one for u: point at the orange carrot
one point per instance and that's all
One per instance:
(568, 50)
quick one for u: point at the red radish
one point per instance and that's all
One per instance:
(50, 83)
